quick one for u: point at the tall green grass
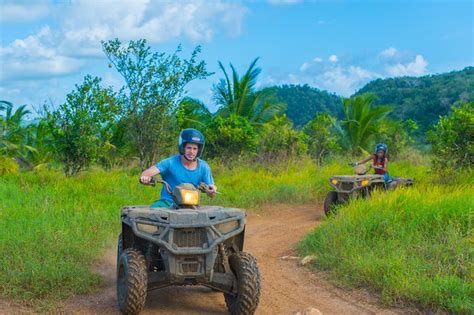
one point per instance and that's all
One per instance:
(53, 228)
(413, 244)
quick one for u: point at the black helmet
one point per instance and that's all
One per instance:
(381, 147)
(191, 135)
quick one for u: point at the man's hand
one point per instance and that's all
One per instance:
(212, 191)
(145, 179)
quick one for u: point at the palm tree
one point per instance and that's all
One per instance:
(361, 121)
(239, 97)
(12, 131)
(192, 113)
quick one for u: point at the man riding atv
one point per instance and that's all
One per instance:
(185, 167)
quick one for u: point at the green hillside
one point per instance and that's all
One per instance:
(424, 99)
(304, 101)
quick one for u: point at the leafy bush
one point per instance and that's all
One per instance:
(320, 139)
(278, 140)
(452, 139)
(81, 126)
(8, 165)
(230, 137)
(397, 135)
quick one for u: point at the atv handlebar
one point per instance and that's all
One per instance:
(153, 181)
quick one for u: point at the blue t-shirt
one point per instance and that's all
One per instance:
(174, 173)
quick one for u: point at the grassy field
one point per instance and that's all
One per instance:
(413, 245)
(52, 228)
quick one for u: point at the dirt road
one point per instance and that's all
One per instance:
(287, 287)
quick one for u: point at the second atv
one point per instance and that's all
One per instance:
(361, 184)
(185, 245)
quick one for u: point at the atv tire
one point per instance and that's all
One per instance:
(132, 280)
(119, 248)
(330, 202)
(246, 271)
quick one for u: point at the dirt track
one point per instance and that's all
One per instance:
(287, 287)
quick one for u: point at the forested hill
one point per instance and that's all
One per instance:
(424, 99)
(303, 102)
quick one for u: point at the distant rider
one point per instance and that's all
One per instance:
(379, 159)
(185, 167)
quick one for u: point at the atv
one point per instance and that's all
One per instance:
(187, 244)
(359, 185)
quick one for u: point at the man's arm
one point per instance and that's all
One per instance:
(148, 173)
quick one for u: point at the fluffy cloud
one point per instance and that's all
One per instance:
(83, 24)
(389, 52)
(343, 79)
(284, 2)
(347, 74)
(34, 57)
(304, 66)
(415, 68)
(15, 12)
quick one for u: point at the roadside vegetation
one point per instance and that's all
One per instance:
(65, 175)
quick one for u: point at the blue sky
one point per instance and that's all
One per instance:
(48, 46)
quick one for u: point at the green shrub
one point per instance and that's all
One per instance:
(230, 136)
(452, 139)
(279, 141)
(320, 139)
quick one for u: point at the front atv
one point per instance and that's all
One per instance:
(359, 185)
(185, 245)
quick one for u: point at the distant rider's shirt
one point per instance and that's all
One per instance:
(174, 173)
(379, 163)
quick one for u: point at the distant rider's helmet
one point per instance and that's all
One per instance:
(381, 147)
(191, 135)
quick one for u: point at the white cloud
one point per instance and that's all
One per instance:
(304, 67)
(333, 58)
(415, 68)
(20, 13)
(346, 80)
(34, 57)
(389, 52)
(284, 2)
(317, 59)
(83, 24)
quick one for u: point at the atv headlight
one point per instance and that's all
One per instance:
(365, 182)
(147, 228)
(227, 227)
(190, 197)
(334, 181)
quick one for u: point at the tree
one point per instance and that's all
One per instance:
(304, 102)
(228, 137)
(278, 140)
(192, 113)
(155, 84)
(12, 131)
(397, 134)
(452, 139)
(425, 98)
(361, 121)
(81, 126)
(321, 140)
(239, 98)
